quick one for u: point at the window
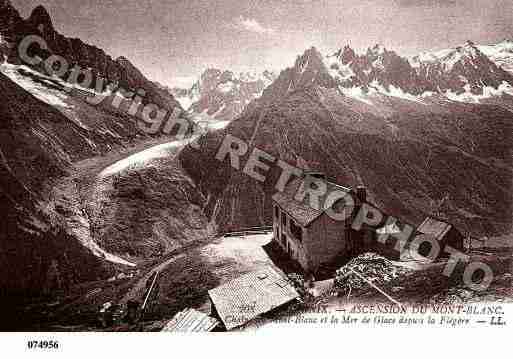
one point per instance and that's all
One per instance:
(283, 219)
(283, 239)
(276, 212)
(296, 231)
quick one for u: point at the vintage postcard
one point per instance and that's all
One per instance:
(202, 167)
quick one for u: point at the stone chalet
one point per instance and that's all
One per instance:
(313, 239)
(310, 236)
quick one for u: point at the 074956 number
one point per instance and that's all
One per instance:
(43, 344)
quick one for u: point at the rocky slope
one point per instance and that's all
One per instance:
(53, 139)
(120, 71)
(37, 147)
(65, 223)
(145, 207)
(501, 54)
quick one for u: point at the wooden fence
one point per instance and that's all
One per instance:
(248, 231)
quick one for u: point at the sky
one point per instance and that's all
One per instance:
(173, 41)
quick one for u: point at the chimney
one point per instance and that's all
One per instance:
(361, 193)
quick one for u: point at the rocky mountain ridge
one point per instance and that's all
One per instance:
(78, 53)
(462, 73)
(49, 127)
(469, 73)
(222, 95)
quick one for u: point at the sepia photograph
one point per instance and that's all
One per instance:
(195, 167)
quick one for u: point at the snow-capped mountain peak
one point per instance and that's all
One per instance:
(501, 54)
(447, 57)
(468, 52)
(221, 94)
(464, 73)
(467, 72)
(339, 64)
(377, 50)
(464, 69)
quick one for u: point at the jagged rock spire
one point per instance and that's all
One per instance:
(40, 18)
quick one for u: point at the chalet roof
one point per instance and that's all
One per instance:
(191, 321)
(243, 299)
(435, 227)
(302, 212)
